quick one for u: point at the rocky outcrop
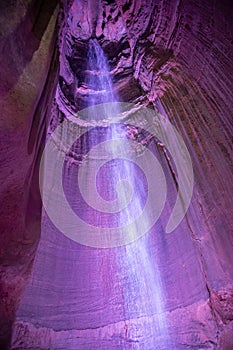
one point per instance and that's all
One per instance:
(174, 56)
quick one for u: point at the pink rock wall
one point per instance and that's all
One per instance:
(26, 51)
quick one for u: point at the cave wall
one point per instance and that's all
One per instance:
(173, 55)
(27, 45)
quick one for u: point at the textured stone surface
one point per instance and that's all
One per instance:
(25, 47)
(126, 334)
(177, 57)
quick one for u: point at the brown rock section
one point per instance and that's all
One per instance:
(26, 46)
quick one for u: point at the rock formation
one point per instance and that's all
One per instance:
(172, 56)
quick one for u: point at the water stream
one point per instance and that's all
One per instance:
(142, 291)
(109, 298)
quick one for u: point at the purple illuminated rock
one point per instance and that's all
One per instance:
(177, 58)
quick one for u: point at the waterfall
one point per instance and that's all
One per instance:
(98, 77)
(93, 298)
(143, 280)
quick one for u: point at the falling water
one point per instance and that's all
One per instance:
(98, 77)
(87, 297)
(142, 290)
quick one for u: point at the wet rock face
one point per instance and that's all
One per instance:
(173, 55)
